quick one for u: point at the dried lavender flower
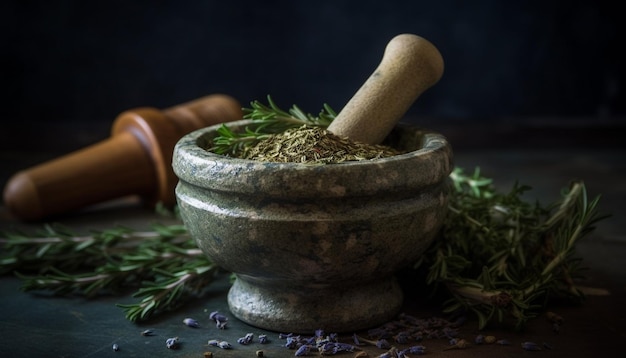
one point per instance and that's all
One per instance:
(417, 350)
(191, 322)
(247, 339)
(224, 345)
(220, 319)
(263, 339)
(147, 332)
(116, 347)
(530, 346)
(172, 343)
(303, 350)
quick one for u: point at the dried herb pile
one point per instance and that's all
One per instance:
(314, 145)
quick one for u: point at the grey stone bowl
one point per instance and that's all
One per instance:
(314, 246)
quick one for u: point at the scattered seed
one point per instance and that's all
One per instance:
(208, 354)
(490, 339)
(259, 353)
(554, 318)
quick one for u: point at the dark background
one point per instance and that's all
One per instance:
(77, 64)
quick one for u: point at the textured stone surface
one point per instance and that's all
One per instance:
(314, 246)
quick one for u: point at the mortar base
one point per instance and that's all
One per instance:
(340, 309)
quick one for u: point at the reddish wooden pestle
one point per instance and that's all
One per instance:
(136, 159)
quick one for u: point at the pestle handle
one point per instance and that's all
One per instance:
(135, 160)
(410, 65)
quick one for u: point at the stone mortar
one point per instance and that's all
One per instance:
(314, 246)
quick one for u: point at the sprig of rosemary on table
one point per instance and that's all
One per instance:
(266, 120)
(164, 264)
(502, 257)
(498, 255)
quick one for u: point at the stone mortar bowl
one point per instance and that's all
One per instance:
(314, 246)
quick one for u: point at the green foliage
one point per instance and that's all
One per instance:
(266, 120)
(500, 256)
(165, 264)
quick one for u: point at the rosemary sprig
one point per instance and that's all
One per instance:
(266, 120)
(164, 263)
(500, 256)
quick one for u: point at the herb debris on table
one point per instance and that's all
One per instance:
(498, 256)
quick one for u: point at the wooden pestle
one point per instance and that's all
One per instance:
(410, 65)
(136, 159)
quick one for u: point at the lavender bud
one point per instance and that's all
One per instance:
(383, 344)
(213, 342)
(416, 350)
(116, 347)
(147, 332)
(503, 342)
(401, 338)
(530, 346)
(263, 339)
(303, 351)
(480, 339)
(292, 342)
(172, 343)
(216, 316)
(191, 322)
(224, 345)
(247, 339)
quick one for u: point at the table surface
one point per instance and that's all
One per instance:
(42, 325)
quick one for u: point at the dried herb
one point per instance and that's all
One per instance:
(314, 145)
(266, 120)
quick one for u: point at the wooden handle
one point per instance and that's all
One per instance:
(136, 159)
(410, 66)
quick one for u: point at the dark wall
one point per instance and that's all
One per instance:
(83, 61)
